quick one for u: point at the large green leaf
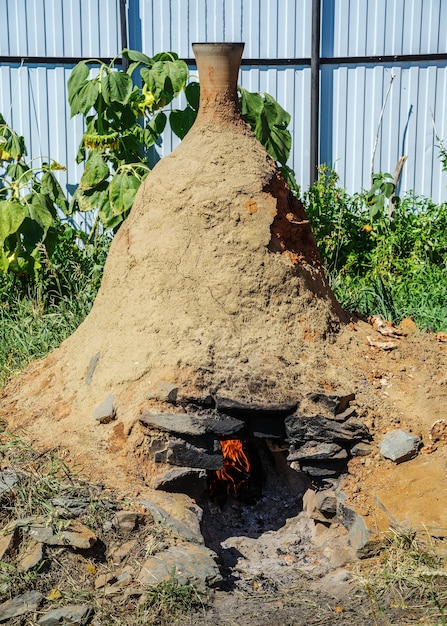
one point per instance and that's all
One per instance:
(181, 121)
(192, 93)
(89, 200)
(41, 210)
(176, 71)
(251, 106)
(20, 171)
(122, 190)
(116, 87)
(77, 79)
(165, 56)
(50, 185)
(165, 79)
(12, 214)
(154, 129)
(138, 57)
(15, 146)
(96, 171)
(269, 122)
(87, 96)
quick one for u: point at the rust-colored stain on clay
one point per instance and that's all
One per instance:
(251, 206)
(117, 438)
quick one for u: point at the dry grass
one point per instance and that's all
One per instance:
(407, 580)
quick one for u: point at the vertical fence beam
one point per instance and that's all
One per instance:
(123, 24)
(315, 90)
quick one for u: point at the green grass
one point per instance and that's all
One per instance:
(395, 268)
(38, 313)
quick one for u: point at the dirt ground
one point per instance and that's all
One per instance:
(286, 575)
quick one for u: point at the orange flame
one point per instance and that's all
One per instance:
(236, 467)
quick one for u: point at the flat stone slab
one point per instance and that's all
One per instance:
(239, 408)
(399, 446)
(178, 512)
(185, 424)
(190, 564)
(317, 451)
(320, 428)
(78, 614)
(20, 605)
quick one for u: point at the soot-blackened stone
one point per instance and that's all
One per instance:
(313, 451)
(244, 410)
(193, 454)
(319, 428)
(184, 424)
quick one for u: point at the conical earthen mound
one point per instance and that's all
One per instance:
(213, 284)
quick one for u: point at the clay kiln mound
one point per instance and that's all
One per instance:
(213, 284)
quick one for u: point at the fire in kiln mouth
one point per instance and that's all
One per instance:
(235, 478)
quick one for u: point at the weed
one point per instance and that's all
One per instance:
(378, 265)
(408, 577)
(167, 602)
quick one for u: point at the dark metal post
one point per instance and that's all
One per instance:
(315, 90)
(123, 22)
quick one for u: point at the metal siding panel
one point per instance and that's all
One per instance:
(33, 101)
(269, 28)
(348, 135)
(368, 27)
(88, 28)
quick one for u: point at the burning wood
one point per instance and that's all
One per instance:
(234, 473)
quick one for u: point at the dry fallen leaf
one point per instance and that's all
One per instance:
(384, 328)
(383, 345)
(53, 595)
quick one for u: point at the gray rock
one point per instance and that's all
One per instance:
(31, 557)
(164, 392)
(8, 480)
(180, 423)
(91, 368)
(399, 446)
(118, 583)
(239, 408)
(319, 428)
(20, 605)
(70, 506)
(190, 564)
(185, 454)
(365, 541)
(79, 614)
(344, 415)
(361, 449)
(75, 535)
(119, 553)
(332, 403)
(185, 424)
(320, 505)
(178, 512)
(317, 451)
(9, 539)
(125, 521)
(321, 471)
(182, 480)
(105, 412)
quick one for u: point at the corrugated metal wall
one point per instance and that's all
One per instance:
(33, 96)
